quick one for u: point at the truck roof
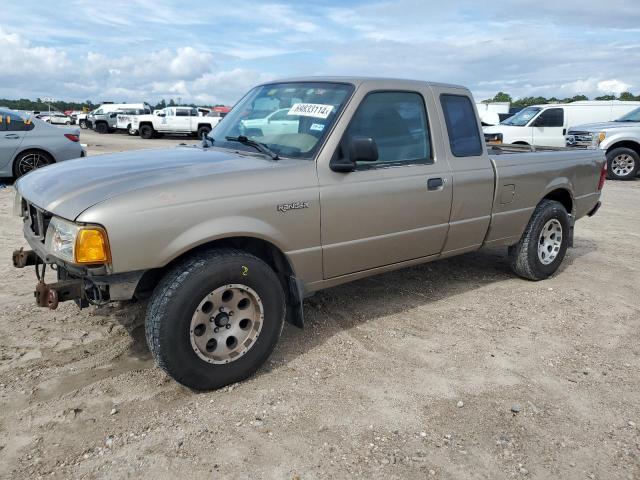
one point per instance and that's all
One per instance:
(357, 81)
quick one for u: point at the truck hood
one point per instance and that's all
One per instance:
(599, 127)
(68, 188)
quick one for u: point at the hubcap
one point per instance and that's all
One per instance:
(622, 165)
(550, 241)
(31, 162)
(226, 323)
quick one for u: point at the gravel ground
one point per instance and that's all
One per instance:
(454, 369)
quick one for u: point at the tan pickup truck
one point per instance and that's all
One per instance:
(352, 177)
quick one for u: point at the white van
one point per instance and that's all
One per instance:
(489, 112)
(547, 125)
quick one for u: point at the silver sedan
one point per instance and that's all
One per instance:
(27, 144)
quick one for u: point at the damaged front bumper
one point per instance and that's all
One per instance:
(83, 284)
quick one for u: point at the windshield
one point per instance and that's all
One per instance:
(291, 119)
(632, 116)
(523, 117)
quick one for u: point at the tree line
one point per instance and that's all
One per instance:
(527, 101)
(62, 106)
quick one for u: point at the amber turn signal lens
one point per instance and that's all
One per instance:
(92, 246)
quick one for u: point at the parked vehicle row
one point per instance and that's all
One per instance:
(613, 126)
(352, 178)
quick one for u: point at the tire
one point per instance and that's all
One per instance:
(178, 304)
(83, 124)
(30, 160)
(622, 164)
(146, 131)
(525, 258)
(131, 131)
(67, 123)
(202, 131)
(102, 128)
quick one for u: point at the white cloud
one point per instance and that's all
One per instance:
(613, 86)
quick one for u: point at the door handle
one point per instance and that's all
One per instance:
(435, 183)
(14, 136)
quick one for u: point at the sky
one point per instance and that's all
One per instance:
(213, 52)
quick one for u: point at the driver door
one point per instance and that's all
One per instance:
(391, 210)
(12, 132)
(549, 129)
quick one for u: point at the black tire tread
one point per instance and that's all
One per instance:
(519, 253)
(172, 282)
(617, 151)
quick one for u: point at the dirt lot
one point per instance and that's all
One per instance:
(455, 369)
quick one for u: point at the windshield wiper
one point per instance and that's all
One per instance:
(261, 147)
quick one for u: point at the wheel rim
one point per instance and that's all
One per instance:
(30, 162)
(226, 324)
(550, 241)
(622, 165)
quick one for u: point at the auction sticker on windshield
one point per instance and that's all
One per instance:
(315, 110)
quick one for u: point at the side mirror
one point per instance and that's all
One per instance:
(363, 149)
(162, 114)
(360, 149)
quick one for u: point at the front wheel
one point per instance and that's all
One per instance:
(202, 131)
(214, 318)
(622, 164)
(83, 124)
(102, 128)
(544, 242)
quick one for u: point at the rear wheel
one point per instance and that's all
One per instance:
(622, 164)
(544, 242)
(131, 130)
(67, 122)
(146, 131)
(202, 131)
(102, 128)
(83, 124)
(30, 160)
(215, 318)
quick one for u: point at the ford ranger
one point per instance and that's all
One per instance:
(227, 238)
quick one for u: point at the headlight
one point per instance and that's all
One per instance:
(76, 243)
(495, 138)
(17, 204)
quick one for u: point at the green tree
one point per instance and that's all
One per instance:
(606, 97)
(499, 97)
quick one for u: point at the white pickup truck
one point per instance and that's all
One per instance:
(180, 120)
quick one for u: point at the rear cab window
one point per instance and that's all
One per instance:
(462, 125)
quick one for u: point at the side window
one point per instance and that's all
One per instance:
(182, 112)
(462, 126)
(552, 117)
(397, 122)
(3, 120)
(15, 123)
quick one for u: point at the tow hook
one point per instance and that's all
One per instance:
(49, 296)
(23, 259)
